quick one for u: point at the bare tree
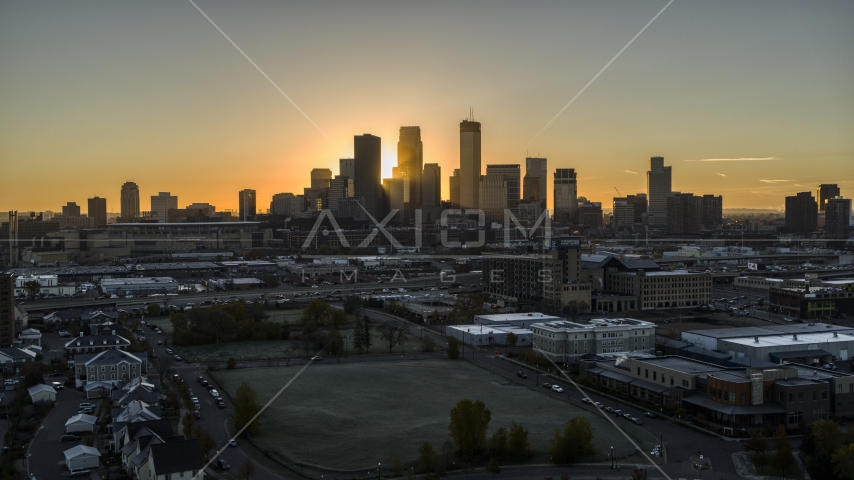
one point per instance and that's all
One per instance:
(164, 365)
(393, 333)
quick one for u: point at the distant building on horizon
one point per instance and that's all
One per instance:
(71, 209)
(347, 167)
(537, 167)
(513, 174)
(713, 210)
(470, 169)
(658, 189)
(493, 196)
(837, 219)
(130, 201)
(246, 201)
(684, 214)
(431, 185)
(97, 209)
(320, 178)
(161, 204)
(566, 195)
(825, 192)
(410, 164)
(454, 187)
(801, 213)
(367, 180)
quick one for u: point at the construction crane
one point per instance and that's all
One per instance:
(618, 192)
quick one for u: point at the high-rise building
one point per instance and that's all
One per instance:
(624, 212)
(538, 167)
(287, 204)
(97, 209)
(837, 217)
(684, 214)
(130, 201)
(658, 188)
(246, 205)
(320, 178)
(590, 213)
(7, 309)
(531, 189)
(340, 187)
(493, 196)
(801, 213)
(367, 180)
(410, 163)
(825, 192)
(470, 169)
(641, 205)
(566, 195)
(71, 209)
(713, 211)
(347, 167)
(431, 185)
(394, 198)
(513, 174)
(454, 188)
(160, 205)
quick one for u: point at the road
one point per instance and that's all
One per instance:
(46, 450)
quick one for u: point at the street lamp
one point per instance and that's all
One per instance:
(612, 458)
(379, 474)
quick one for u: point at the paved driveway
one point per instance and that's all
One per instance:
(46, 451)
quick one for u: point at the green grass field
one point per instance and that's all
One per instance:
(351, 416)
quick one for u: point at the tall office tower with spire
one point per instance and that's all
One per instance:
(130, 201)
(98, 210)
(454, 186)
(566, 195)
(320, 178)
(513, 175)
(538, 167)
(246, 199)
(470, 164)
(431, 185)
(658, 189)
(410, 163)
(367, 178)
(825, 192)
(160, 205)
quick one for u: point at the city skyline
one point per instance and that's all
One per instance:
(189, 115)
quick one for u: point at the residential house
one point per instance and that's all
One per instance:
(175, 460)
(85, 344)
(109, 366)
(42, 393)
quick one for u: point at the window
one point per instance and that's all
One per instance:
(654, 374)
(824, 394)
(791, 397)
(671, 380)
(646, 372)
(795, 418)
(743, 398)
(732, 396)
(814, 395)
(839, 388)
(685, 383)
(800, 396)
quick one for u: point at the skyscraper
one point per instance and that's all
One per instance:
(367, 179)
(531, 189)
(684, 213)
(566, 195)
(825, 192)
(347, 167)
(538, 167)
(410, 162)
(71, 209)
(713, 210)
(493, 196)
(160, 205)
(339, 188)
(801, 213)
(431, 185)
(454, 186)
(394, 197)
(130, 201)
(658, 188)
(320, 178)
(837, 217)
(623, 212)
(513, 174)
(641, 205)
(469, 164)
(246, 202)
(98, 210)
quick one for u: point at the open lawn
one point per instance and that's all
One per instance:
(351, 416)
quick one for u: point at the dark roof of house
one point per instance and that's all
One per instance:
(97, 341)
(174, 457)
(162, 428)
(110, 357)
(16, 353)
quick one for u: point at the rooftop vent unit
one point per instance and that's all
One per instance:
(794, 336)
(755, 339)
(835, 335)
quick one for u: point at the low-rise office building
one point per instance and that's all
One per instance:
(662, 289)
(811, 303)
(566, 342)
(524, 320)
(483, 335)
(139, 285)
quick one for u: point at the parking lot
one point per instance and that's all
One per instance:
(46, 450)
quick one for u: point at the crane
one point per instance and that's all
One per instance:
(618, 192)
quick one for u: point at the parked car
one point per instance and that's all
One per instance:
(547, 385)
(221, 404)
(160, 342)
(609, 409)
(521, 374)
(56, 385)
(69, 438)
(232, 443)
(11, 381)
(650, 415)
(214, 393)
(637, 421)
(587, 401)
(209, 386)
(86, 405)
(197, 415)
(57, 374)
(169, 351)
(64, 334)
(178, 358)
(194, 400)
(557, 388)
(87, 411)
(316, 358)
(205, 383)
(200, 379)
(222, 464)
(618, 413)
(78, 472)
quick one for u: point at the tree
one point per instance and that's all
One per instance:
(428, 344)
(808, 441)
(453, 348)
(639, 474)
(32, 288)
(757, 444)
(392, 333)
(164, 366)
(469, 423)
(820, 464)
(826, 434)
(783, 456)
(498, 443)
(189, 424)
(246, 407)
(843, 461)
(512, 338)
(247, 470)
(359, 335)
(352, 304)
(206, 442)
(493, 467)
(427, 458)
(518, 445)
(468, 305)
(219, 324)
(154, 309)
(396, 465)
(232, 363)
(574, 441)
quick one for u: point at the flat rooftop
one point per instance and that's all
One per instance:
(734, 332)
(665, 273)
(137, 281)
(681, 364)
(804, 340)
(515, 317)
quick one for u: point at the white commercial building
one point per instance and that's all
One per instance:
(524, 320)
(565, 341)
(480, 335)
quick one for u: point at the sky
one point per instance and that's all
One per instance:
(749, 100)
